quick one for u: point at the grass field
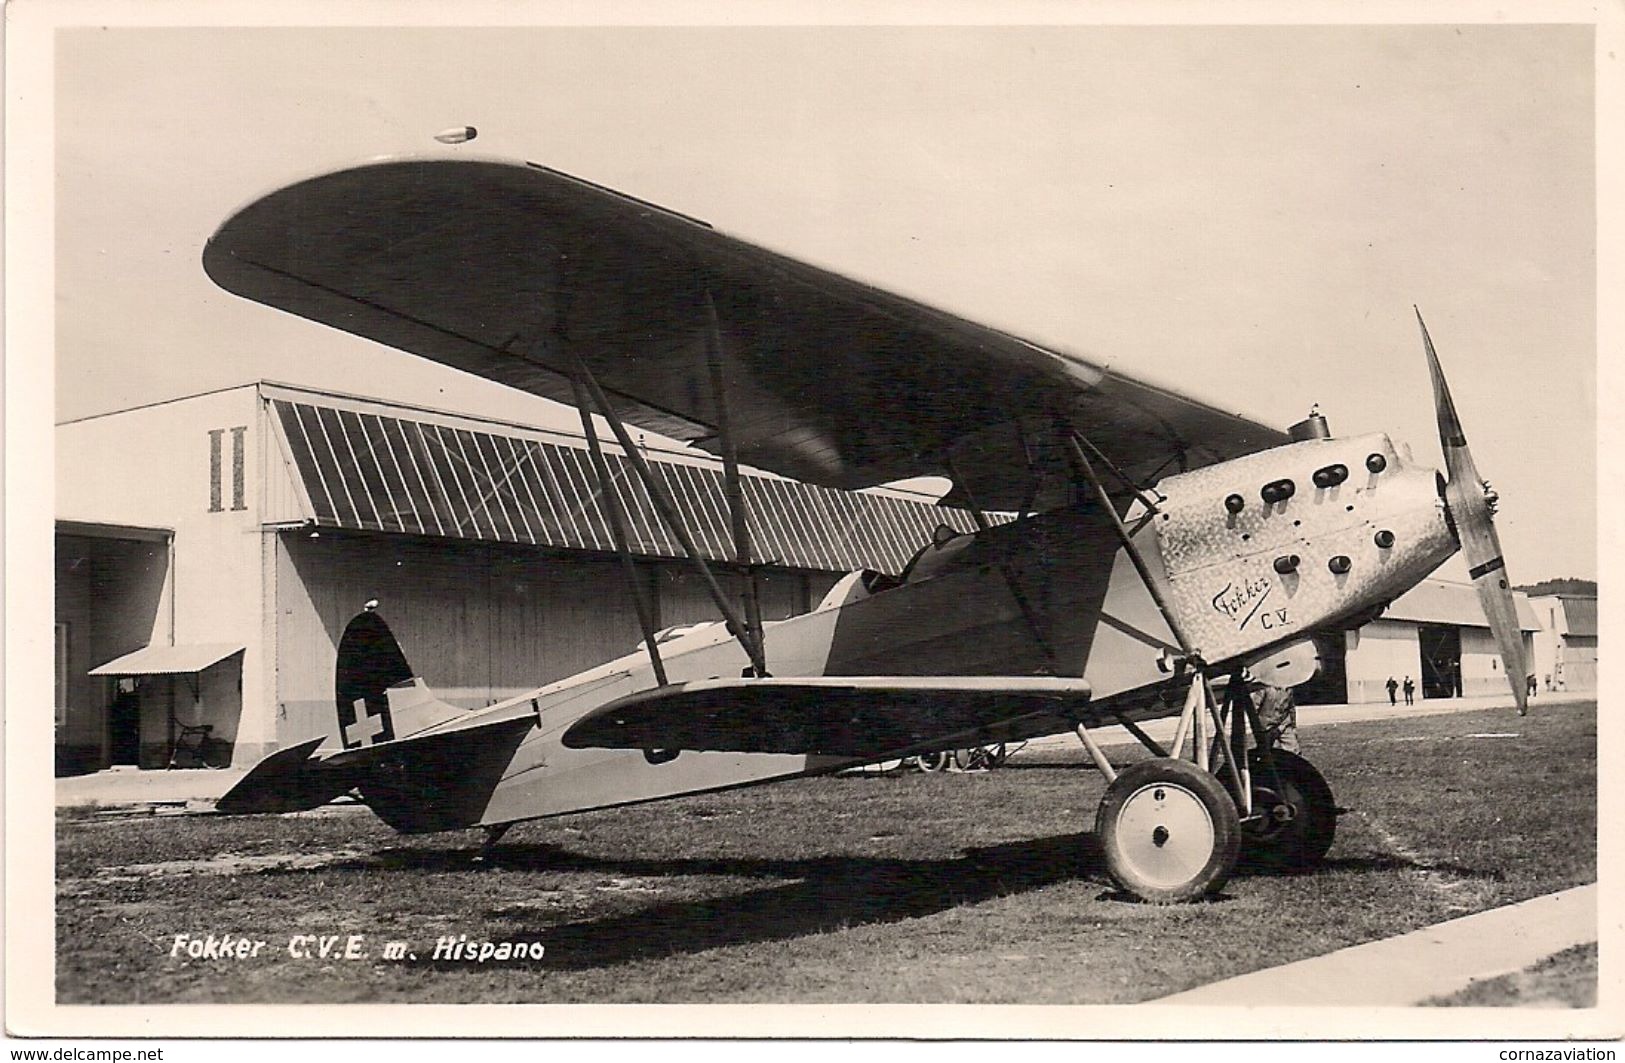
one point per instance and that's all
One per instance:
(896, 888)
(1566, 980)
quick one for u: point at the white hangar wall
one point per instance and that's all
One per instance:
(1482, 672)
(1380, 649)
(1566, 650)
(186, 475)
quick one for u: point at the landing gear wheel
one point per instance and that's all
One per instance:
(933, 762)
(978, 758)
(1169, 831)
(1297, 823)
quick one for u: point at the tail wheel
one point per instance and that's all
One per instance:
(1296, 822)
(1169, 831)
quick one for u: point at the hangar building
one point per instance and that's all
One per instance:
(1436, 634)
(1566, 647)
(210, 549)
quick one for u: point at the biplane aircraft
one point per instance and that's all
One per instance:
(1139, 553)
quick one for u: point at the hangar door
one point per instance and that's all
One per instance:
(112, 595)
(1441, 660)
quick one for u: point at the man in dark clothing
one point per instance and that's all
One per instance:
(1410, 691)
(1393, 688)
(1278, 715)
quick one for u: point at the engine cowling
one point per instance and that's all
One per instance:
(1266, 548)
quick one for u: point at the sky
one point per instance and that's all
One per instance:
(1245, 212)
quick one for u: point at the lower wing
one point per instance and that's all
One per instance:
(861, 717)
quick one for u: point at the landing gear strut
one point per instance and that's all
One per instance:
(493, 835)
(1295, 815)
(1173, 830)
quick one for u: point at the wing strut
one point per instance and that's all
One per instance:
(1122, 477)
(752, 637)
(668, 514)
(1006, 571)
(617, 527)
(1080, 464)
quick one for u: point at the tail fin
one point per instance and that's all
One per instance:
(415, 779)
(377, 696)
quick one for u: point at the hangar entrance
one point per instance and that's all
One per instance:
(112, 597)
(124, 724)
(187, 703)
(1441, 660)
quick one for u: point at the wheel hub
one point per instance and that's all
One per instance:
(1166, 834)
(1273, 813)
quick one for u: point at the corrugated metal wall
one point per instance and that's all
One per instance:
(373, 471)
(478, 621)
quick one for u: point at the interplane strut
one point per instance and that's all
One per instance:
(617, 527)
(668, 513)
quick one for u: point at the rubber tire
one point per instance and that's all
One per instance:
(974, 758)
(1221, 810)
(934, 762)
(1303, 843)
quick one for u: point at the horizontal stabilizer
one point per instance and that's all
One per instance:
(840, 716)
(289, 780)
(439, 780)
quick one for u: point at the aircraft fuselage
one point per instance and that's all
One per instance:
(1055, 593)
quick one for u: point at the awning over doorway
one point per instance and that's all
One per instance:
(168, 660)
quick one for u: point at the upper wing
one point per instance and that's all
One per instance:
(509, 270)
(868, 717)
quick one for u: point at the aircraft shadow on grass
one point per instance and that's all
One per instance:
(814, 895)
(819, 894)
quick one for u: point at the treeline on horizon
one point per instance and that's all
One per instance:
(1560, 586)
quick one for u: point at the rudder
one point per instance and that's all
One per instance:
(370, 661)
(378, 697)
